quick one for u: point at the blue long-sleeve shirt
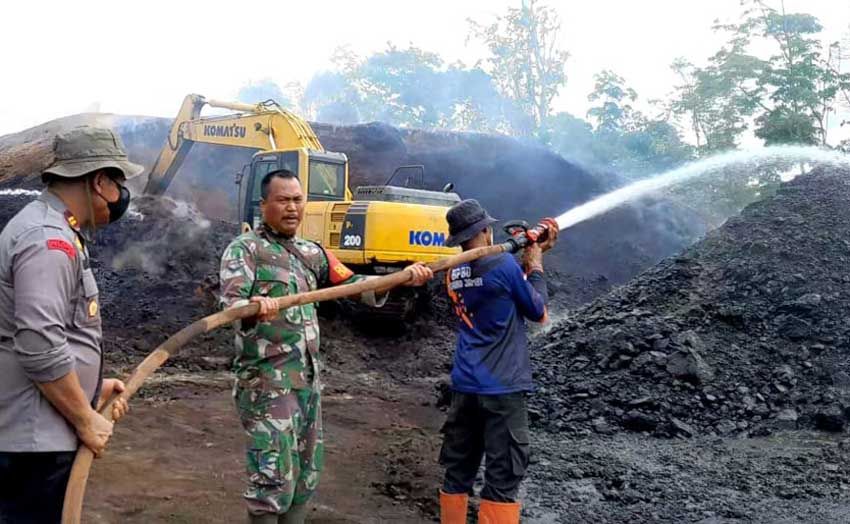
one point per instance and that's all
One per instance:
(492, 298)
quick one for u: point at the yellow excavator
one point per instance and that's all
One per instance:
(374, 229)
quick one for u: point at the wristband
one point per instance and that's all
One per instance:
(534, 268)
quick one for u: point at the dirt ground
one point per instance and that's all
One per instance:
(178, 457)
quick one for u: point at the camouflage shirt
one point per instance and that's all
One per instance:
(283, 353)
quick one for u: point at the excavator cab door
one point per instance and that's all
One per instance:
(250, 186)
(327, 180)
(324, 177)
(242, 180)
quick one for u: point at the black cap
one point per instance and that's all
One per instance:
(466, 219)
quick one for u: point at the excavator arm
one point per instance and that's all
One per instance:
(264, 126)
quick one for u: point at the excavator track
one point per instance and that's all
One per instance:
(400, 307)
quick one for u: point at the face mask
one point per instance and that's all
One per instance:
(119, 207)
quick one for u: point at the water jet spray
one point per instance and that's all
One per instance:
(769, 155)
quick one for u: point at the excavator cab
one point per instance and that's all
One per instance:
(324, 176)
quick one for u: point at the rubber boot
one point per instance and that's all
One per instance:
(296, 514)
(490, 512)
(453, 508)
(262, 518)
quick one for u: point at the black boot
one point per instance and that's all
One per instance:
(296, 515)
(262, 518)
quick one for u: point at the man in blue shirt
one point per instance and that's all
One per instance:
(492, 298)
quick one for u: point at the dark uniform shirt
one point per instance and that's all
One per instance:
(492, 299)
(49, 323)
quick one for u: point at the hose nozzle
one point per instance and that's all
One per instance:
(522, 235)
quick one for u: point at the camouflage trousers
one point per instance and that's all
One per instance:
(285, 454)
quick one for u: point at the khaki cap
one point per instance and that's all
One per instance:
(85, 149)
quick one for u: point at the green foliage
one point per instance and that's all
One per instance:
(714, 101)
(792, 92)
(623, 139)
(525, 61)
(409, 88)
(570, 136)
(615, 113)
(771, 73)
(656, 146)
(331, 97)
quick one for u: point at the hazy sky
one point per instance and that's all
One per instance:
(114, 56)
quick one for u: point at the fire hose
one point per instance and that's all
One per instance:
(521, 236)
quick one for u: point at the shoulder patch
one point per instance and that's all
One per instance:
(338, 272)
(62, 245)
(72, 220)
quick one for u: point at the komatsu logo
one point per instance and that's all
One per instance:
(225, 131)
(427, 238)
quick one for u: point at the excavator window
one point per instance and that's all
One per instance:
(327, 181)
(252, 207)
(261, 169)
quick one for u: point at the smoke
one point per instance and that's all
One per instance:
(161, 236)
(206, 178)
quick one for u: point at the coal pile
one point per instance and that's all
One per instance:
(10, 206)
(744, 333)
(23, 155)
(158, 271)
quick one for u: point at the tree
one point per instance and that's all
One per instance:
(715, 100)
(571, 137)
(788, 95)
(262, 90)
(801, 84)
(655, 146)
(330, 97)
(399, 86)
(614, 114)
(525, 62)
(796, 88)
(626, 140)
(409, 88)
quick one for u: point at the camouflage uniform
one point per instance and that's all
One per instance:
(277, 389)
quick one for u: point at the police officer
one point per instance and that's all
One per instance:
(50, 325)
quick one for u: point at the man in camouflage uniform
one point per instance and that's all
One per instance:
(277, 389)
